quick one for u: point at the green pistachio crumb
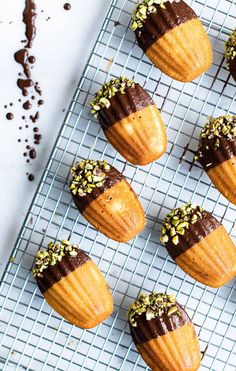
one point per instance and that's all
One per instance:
(221, 127)
(143, 9)
(230, 48)
(181, 218)
(153, 305)
(87, 175)
(54, 254)
(109, 90)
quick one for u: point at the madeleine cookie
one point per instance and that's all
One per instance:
(200, 245)
(106, 200)
(72, 284)
(163, 333)
(130, 120)
(230, 54)
(217, 154)
(173, 38)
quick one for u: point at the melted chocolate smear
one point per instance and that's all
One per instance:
(21, 57)
(37, 88)
(116, 23)
(27, 105)
(24, 84)
(9, 116)
(35, 117)
(37, 138)
(32, 59)
(29, 17)
(67, 6)
(32, 153)
(31, 177)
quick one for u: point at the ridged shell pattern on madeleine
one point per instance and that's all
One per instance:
(217, 154)
(200, 245)
(163, 333)
(130, 120)
(72, 284)
(106, 200)
(173, 38)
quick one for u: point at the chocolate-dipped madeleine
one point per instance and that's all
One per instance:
(130, 120)
(163, 333)
(217, 154)
(230, 54)
(200, 245)
(72, 284)
(106, 200)
(173, 38)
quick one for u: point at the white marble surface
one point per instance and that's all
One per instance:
(62, 46)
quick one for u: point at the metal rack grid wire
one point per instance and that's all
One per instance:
(32, 336)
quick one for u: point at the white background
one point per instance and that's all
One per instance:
(61, 47)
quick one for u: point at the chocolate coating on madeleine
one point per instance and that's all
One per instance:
(123, 105)
(112, 177)
(213, 156)
(232, 68)
(164, 19)
(194, 234)
(56, 262)
(230, 54)
(147, 330)
(217, 142)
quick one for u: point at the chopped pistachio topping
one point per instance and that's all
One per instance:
(153, 305)
(178, 221)
(87, 175)
(221, 127)
(109, 90)
(54, 254)
(143, 9)
(230, 48)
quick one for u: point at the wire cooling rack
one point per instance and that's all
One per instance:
(33, 337)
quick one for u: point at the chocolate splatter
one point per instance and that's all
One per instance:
(29, 17)
(67, 6)
(21, 57)
(32, 153)
(9, 116)
(24, 84)
(32, 59)
(27, 105)
(35, 117)
(30, 177)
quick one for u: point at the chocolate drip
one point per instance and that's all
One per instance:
(148, 330)
(113, 177)
(162, 21)
(21, 57)
(123, 105)
(29, 16)
(24, 84)
(232, 68)
(55, 273)
(216, 155)
(193, 235)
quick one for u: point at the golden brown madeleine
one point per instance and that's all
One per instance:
(173, 38)
(163, 333)
(200, 245)
(217, 154)
(130, 120)
(106, 200)
(230, 54)
(72, 284)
